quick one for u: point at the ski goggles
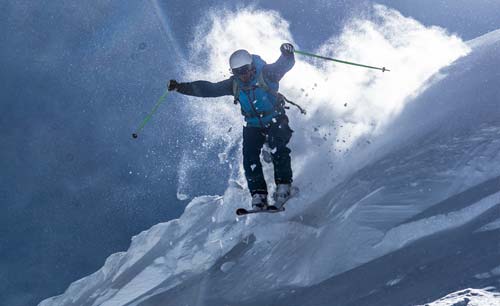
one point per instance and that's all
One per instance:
(243, 70)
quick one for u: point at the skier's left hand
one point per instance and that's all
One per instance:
(287, 48)
(172, 85)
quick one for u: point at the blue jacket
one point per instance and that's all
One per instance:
(258, 105)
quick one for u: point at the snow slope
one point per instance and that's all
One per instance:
(433, 179)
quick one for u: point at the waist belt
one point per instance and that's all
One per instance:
(259, 114)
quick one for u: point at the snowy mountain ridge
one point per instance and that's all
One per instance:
(470, 297)
(414, 191)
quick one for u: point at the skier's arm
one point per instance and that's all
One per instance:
(203, 88)
(276, 71)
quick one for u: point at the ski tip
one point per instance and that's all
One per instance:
(241, 211)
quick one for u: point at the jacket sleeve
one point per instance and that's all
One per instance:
(207, 89)
(275, 72)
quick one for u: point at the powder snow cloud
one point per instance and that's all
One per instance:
(346, 105)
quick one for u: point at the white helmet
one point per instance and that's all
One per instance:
(239, 59)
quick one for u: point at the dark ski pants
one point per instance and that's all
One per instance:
(277, 135)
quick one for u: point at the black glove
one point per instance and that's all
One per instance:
(173, 85)
(287, 49)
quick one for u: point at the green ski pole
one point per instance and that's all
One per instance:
(160, 101)
(340, 61)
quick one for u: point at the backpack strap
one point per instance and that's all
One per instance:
(261, 82)
(280, 98)
(236, 91)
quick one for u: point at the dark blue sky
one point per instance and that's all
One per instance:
(76, 79)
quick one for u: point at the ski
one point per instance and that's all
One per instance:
(269, 209)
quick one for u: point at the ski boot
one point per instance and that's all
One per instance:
(282, 194)
(259, 201)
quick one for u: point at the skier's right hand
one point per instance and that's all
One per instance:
(173, 85)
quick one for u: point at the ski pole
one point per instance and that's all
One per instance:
(160, 101)
(340, 61)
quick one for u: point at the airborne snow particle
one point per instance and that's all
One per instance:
(182, 196)
(70, 157)
(225, 267)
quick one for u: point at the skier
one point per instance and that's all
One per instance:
(254, 85)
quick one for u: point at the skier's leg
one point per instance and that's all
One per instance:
(279, 136)
(253, 140)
